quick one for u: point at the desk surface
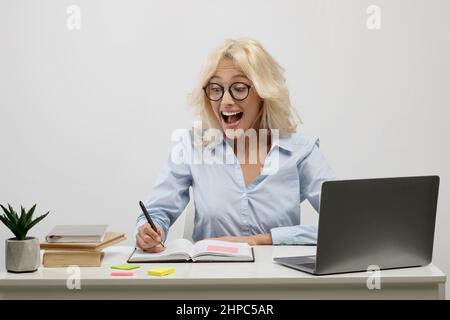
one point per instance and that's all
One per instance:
(263, 272)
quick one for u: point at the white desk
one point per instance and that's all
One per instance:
(262, 279)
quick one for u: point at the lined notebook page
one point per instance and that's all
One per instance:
(176, 249)
(222, 248)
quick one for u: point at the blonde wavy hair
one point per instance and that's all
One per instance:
(267, 77)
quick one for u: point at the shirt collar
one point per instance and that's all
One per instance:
(284, 142)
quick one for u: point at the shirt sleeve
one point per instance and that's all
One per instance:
(313, 170)
(170, 194)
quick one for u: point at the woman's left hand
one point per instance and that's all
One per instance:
(259, 239)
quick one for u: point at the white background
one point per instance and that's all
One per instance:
(86, 115)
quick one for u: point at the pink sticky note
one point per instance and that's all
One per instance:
(122, 273)
(222, 249)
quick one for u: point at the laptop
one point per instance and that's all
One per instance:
(386, 222)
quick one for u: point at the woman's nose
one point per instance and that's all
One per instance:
(227, 99)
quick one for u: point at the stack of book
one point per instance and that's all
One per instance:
(80, 245)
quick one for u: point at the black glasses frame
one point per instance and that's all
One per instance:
(229, 90)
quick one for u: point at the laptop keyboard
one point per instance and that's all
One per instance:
(299, 263)
(308, 260)
(308, 265)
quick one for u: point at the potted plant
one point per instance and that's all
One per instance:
(22, 252)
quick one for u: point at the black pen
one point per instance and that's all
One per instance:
(144, 210)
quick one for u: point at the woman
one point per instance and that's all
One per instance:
(241, 90)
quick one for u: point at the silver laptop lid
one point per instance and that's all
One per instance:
(386, 222)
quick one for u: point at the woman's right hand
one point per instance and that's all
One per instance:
(149, 240)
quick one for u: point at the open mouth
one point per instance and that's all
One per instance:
(231, 118)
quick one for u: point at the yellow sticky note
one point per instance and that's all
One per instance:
(125, 266)
(161, 271)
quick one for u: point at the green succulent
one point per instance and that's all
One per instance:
(20, 225)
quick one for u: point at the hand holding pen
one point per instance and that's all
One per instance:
(149, 236)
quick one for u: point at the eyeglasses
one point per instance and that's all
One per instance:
(239, 91)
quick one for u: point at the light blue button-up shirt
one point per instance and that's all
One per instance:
(224, 206)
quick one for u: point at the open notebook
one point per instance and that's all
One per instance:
(182, 250)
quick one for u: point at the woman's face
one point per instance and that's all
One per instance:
(231, 113)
